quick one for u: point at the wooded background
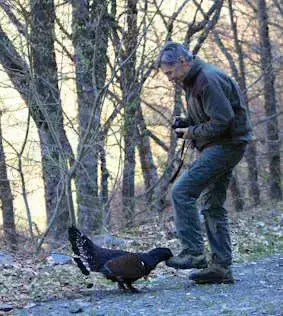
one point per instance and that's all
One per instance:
(86, 118)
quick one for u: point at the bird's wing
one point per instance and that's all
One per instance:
(127, 267)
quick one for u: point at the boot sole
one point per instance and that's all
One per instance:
(224, 281)
(187, 266)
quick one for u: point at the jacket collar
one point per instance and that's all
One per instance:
(193, 72)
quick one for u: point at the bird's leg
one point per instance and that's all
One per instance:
(131, 288)
(121, 284)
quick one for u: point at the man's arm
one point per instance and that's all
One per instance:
(218, 108)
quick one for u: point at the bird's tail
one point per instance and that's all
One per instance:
(84, 250)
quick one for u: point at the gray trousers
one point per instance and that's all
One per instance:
(208, 176)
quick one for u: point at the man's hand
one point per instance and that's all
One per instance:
(180, 125)
(183, 131)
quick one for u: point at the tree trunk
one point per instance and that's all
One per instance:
(104, 192)
(251, 153)
(172, 154)
(273, 140)
(6, 198)
(237, 201)
(90, 38)
(131, 102)
(253, 185)
(149, 169)
(46, 99)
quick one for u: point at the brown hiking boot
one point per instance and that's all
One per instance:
(187, 261)
(215, 273)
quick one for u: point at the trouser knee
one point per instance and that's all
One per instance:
(178, 193)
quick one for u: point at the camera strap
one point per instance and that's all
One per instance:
(180, 164)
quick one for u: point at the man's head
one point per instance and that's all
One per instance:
(175, 61)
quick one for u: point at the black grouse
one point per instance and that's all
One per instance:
(117, 265)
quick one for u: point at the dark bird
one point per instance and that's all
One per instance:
(117, 265)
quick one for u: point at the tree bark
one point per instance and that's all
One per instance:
(237, 201)
(6, 197)
(273, 140)
(251, 153)
(172, 155)
(43, 100)
(46, 101)
(104, 192)
(90, 38)
(131, 103)
(149, 169)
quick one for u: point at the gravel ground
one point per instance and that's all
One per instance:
(258, 291)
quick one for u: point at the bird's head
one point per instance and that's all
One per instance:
(161, 254)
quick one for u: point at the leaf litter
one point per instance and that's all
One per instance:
(30, 279)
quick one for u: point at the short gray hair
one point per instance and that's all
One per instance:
(170, 53)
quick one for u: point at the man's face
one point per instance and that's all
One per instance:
(176, 72)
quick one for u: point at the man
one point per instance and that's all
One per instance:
(217, 124)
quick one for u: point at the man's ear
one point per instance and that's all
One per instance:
(182, 59)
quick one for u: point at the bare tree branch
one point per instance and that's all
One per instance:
(7, 9)
(210, 24)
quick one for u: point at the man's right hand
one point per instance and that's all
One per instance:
(179, 122)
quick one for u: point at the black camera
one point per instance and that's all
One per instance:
(179, 122)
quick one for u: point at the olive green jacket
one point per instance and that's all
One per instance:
(216, 109)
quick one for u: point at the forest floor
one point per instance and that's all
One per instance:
(31, 285)
(258, 291)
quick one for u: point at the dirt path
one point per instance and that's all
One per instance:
(258, 291)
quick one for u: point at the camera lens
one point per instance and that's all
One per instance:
(179, 134)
